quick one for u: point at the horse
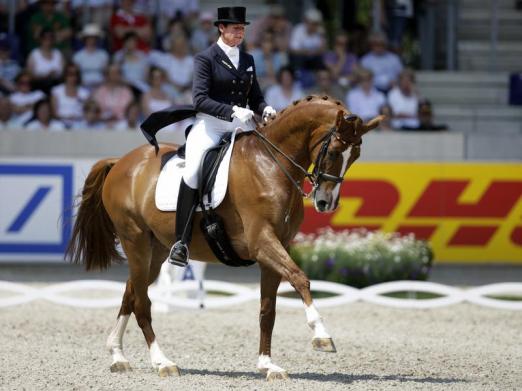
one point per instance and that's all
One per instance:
(262, 211)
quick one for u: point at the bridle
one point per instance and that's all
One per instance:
(317, 176)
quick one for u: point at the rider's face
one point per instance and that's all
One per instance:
(232, 34)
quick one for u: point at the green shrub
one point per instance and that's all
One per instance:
(361, 258)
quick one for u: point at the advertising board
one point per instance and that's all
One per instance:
(469, 212)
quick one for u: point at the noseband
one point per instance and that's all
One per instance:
(317, 176)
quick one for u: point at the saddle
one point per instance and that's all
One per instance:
(212, 224)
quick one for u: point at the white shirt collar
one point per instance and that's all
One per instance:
(229, 50)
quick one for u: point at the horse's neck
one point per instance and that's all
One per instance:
(292, 132)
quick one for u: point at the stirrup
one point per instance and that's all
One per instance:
(179, 254)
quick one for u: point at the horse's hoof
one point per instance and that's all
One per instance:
(169, 370)
(121, 366)
(324, 345)
(276, 375)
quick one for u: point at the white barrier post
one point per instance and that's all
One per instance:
(171, 275)
(167, 293)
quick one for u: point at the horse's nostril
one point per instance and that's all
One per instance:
(322, 205)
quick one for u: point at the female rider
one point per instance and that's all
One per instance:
(224, 84)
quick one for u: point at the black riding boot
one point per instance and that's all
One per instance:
(187, 202)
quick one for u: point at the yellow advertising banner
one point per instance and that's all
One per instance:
(469, 212)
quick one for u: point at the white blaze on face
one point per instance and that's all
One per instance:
(335, 191)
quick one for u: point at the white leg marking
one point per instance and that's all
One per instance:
(115, 340)
(268, 368)
(337, 188)
(157, 357)
(315, 322)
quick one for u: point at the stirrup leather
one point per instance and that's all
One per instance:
(179, 254)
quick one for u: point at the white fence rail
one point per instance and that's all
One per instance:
(487, 295)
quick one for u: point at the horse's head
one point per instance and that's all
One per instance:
(338, 147)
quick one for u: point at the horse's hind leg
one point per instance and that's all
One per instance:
(269, 283)
(144, 254)
(115, 339)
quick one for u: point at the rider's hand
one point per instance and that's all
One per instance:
(269, 113)
(242, 114)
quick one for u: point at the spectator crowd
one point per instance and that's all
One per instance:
(102, 64)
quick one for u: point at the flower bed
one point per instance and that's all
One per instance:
(361, 258)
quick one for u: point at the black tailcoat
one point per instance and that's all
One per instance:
(217, 86)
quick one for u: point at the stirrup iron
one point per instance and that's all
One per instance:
(179, 254)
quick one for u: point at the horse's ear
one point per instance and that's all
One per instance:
(339, 119)
(372, 124)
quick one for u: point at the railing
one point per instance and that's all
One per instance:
(234, 294)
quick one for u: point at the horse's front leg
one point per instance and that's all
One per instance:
(269, 252)
(269, 283)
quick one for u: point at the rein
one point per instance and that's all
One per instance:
(317, 176)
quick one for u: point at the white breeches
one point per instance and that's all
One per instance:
(206, 133)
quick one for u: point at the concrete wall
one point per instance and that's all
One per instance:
(378, 146)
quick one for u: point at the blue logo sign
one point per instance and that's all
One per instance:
(36, 203)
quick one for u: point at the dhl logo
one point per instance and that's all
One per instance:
(468, 212)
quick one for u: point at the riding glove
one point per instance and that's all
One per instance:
(242, 114)
(268, 113)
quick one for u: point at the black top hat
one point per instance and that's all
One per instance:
(235, 15)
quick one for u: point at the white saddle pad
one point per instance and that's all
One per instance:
(169, 179)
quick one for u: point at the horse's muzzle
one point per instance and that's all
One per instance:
(323, 201)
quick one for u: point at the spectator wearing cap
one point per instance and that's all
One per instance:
(404, 101)
(268, 61)
(68, 98)
(133, 62)
(113, 95)
(276, 24)
(307, 43)
(205, 34)
(9, 68)
(46, 63)
(340, 61)
(47, 17)
(43, 119)
(384, 64)
(23, 99)
(91, 117)
(287, 90)
(365, 100)
(91, 59)
(126, 20)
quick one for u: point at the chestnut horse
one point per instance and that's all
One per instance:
(262, 211)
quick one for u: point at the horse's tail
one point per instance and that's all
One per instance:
(93, 241)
